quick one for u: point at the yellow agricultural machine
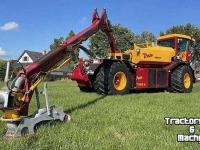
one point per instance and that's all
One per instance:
(165, 65)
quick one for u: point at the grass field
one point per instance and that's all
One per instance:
(134, 121)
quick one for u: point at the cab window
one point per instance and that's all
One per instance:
(183, 44)
(166, 43)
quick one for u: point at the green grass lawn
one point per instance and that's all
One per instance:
(134, 121)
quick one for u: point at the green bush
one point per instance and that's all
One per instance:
(2, 69)
(51, 77)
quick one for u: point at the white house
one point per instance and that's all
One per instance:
(28, 57)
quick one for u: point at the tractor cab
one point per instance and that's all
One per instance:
(182, 44)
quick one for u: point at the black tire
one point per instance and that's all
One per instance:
(109, 75)
(182, 79)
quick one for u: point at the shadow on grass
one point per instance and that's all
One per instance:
(148, 91)
(68, 111)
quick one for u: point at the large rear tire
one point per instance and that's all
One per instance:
(182, 79)
(113, 79)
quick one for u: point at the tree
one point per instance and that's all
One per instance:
(145, 36)
(2, 69)
(190, 30)
(76, 51)
(57, 42)
(98, 43)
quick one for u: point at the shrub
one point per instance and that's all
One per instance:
(2, 69)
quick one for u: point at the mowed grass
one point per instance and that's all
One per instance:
(134, 121)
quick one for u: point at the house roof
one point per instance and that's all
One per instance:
(33, 55)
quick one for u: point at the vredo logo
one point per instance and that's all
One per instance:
(139, 77)
(147, 55)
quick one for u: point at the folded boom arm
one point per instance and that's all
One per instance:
(28, 79)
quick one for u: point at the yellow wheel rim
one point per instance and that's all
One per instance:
(187, 81)
(120, 81)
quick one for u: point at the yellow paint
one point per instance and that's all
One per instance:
(11, 115)
(115, 55)
(151, 54)
(175, 35)
(19, 96)
(187, 80)
(36, 83)
(148, 53)
(119, 81)
(183, 56)
(59, 67)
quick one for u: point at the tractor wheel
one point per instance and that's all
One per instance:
(113, 79)
(182, 80)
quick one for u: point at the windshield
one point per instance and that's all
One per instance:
(183, 44)
(166, 43)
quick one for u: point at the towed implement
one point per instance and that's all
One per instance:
(15, 99)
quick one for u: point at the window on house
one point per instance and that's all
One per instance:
(25, 58)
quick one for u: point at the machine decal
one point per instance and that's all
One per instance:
(139, 77)
(141, 84)
(147, 55)
(157, 57)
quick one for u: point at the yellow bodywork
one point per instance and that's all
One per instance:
(183, 56)
(11, 115)
(147, 53)
(175, 35)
